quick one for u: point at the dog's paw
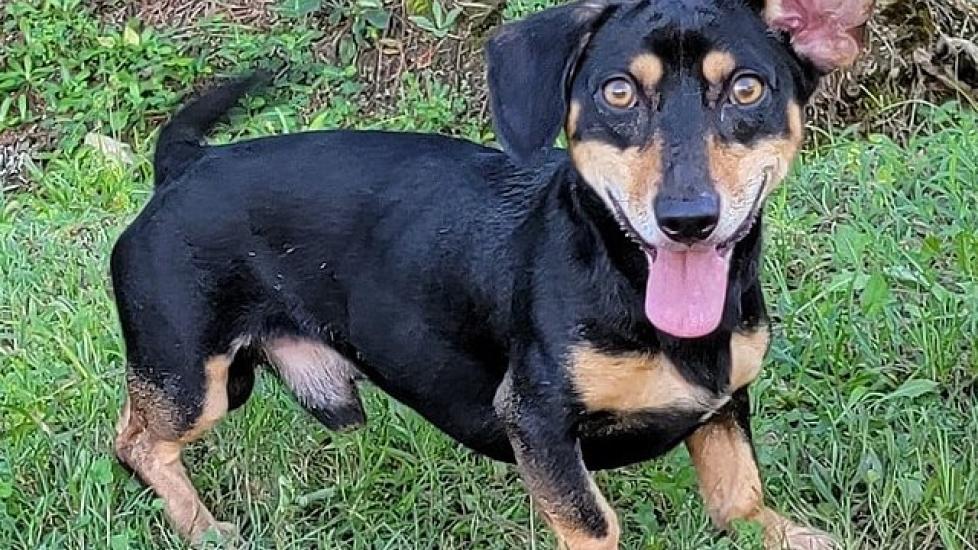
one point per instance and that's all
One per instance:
(218, 534)
(790, 536)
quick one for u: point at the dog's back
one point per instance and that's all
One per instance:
(329, 254)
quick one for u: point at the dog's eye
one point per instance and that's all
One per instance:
(747, 90)
(619, 93)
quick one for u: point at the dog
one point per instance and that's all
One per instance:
(567, 311)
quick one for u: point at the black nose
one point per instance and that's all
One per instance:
(688, 220)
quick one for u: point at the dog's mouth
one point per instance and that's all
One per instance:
(687, 289)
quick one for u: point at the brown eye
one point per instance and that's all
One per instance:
(619, 93)
(747, 90)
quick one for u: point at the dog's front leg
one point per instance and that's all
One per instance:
(731, 483)
(548, 456)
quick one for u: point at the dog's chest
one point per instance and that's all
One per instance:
(631, 383)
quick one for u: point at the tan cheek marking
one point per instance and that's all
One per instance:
(736, 168)
(796, 125)
(717, 66)
(746, 356)
(631, 382)
(635, 172)
(729, 481)
(647, 69)
(573, 114)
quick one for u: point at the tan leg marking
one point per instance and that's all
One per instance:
(147, 442)
(731, 487)
(728, 478)
(747, 350)
(573, 537)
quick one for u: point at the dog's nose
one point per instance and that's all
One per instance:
(688, 220)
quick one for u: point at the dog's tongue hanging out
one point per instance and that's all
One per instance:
(686, 291)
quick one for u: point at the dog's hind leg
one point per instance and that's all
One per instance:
(321, 379)
(161, 415)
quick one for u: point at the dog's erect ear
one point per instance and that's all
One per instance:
(828, 33)
(529, 64)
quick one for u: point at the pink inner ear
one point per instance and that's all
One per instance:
(826, 32)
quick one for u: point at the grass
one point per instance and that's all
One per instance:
(866, 423)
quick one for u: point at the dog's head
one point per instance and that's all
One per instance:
(683, 115)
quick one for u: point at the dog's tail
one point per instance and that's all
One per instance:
(181, 141)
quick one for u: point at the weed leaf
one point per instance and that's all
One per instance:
(913, 388)
(299, 8)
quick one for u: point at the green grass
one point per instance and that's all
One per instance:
(866, 423)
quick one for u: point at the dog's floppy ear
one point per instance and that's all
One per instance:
(828, 33)
(529, 64)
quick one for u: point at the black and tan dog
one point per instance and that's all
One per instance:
(568, 312)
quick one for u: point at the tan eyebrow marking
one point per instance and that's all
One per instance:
(717, 66)
(647, 69)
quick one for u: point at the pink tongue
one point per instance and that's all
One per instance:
(686, 291)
